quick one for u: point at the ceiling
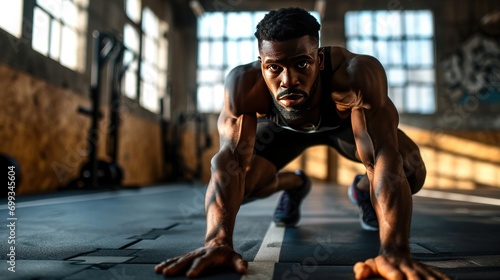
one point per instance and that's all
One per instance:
(185, 15)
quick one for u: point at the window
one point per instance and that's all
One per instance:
(403, 41)
(225, 40)
(144, 35)
(59, 31)
(11, 15)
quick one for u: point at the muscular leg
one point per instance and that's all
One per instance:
(412, 163)
(262, 179)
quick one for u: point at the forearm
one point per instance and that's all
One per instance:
(392, 201)
(223, 199)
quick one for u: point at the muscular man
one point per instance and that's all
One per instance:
(295, 96)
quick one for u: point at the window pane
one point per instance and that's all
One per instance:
(427, 52)
(427, 102)
(149, 97)
(421, 75)
(239, 25)
(11, 16)
(204, 99)
(69, 13)
(204, 26)
(396, 95)
(218, 98)
(54, 7)
(210, 76)
(366, 47)
(412, 99)
(425, 26)
(131, 38)
(130, 81)
(55, 40)
(133, 9)
(216, 25)
(246, 53)
(69, 50)
(388, 24)
(41, 24)
(365, 24)
(150, 23)
(382, 26)
(162, 54)
(150, 49)
(149, 72)
(203, 54)
(419, 52)
(351, 23)
(396, 76)
(382, 53)
(216, 53)
(396, 51)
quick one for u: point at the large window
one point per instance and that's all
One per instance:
(225, 40)
(145, 38)
(60, 30)
(403, 42)
(11, 14)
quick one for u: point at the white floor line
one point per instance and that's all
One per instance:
(94, 196)
(262, 267)
(458, 197)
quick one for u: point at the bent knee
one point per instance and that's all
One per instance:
(413, 164)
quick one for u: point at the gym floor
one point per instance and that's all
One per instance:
(123, 234)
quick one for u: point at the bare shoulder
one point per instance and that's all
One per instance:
(245, 90)
(358, 80)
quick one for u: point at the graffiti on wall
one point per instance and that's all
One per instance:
(474, 70)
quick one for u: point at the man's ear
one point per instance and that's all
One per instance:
(321, 56)
(259, 58)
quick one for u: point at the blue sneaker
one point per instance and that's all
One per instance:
(367, 216)
(287, 213)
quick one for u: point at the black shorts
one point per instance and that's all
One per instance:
(281, 145)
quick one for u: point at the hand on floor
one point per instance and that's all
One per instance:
(195, 263)
(395, 268)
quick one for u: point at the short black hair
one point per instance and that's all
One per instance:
(285, 24)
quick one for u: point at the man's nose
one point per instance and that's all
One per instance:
(289, 79)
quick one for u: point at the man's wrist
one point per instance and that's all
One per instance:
(395, 250)
(218, 243)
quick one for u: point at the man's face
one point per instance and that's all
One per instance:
(291, 71)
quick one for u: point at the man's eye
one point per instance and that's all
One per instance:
(273, 67)
(302, 65)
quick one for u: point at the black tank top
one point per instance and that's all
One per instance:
(329, 118)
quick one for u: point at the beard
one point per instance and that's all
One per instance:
(297, 112)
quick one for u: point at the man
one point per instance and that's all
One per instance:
(298, 95)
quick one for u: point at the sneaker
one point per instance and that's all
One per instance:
(287, 212)
(367, 216)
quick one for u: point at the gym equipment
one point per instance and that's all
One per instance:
(107, 58)
(202, 143)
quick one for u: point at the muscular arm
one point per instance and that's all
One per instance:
(237, 128)
(374, 121)
(226, 189)
(375, 129)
